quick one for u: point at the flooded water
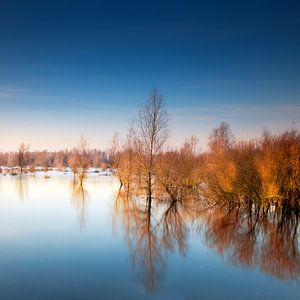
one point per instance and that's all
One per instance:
(59, 241)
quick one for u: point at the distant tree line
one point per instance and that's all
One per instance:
(24, 158)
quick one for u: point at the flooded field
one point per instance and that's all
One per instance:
(62, 241)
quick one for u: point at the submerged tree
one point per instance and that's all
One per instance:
(83, 158)
(177, 173)
(22, 156)
(279, 166)
(73, 162)
(114, 152)
(150, 134)
(126, 168)
(79, 159)
(219, 171)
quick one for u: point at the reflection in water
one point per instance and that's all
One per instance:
(151, 237)
(267, 239)
(80, 198)
(142, 237)
(174, 225)
(21, 184)
(264, 238)
(144, 247)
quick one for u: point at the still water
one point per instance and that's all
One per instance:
(58, 241)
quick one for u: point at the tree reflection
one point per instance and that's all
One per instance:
(264, 238)
(80, 198)
(280, 255)
(174, 225)
(145, 250)
(152, 236)
(254, 237)
(21, 184)
(142, 237)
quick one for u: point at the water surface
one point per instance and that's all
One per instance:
(60, 241)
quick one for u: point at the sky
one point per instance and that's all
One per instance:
(73, 67)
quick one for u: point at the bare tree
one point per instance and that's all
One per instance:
(150, 134)
(83, 158)
(73, 161)
(79, 159)
(22, 156)
(221, 138)
(125, 168)
(114, 152)
(177, 173)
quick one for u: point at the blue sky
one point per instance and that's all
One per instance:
(72, 67)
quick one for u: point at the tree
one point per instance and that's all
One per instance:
(22, 156)
(73, 161)
(221, 138)
(125, 168)
(177, 173)
(150, 134)
(83, 158)
(114, 152)
(59, 159)
(220, 170)
(79, 159)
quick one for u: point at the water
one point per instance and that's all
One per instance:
(58, 241)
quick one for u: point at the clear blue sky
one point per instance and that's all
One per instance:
(72, 67)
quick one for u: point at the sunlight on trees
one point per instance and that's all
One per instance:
(263, 171)
(150, 133)
(22, 156)
(79, 160)
(82, 159)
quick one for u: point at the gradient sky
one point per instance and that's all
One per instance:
(72, 67)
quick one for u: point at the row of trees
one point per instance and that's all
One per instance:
(265, 170)
(262, 171)
(24, 158)
(246, 192)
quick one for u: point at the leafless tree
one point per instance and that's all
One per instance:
(79, 159)
(82, 158)
(177, 173)
(114, 152)
(22, 156)
(73, 161)
(150, 133)
(125, 170)
(221, 138)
